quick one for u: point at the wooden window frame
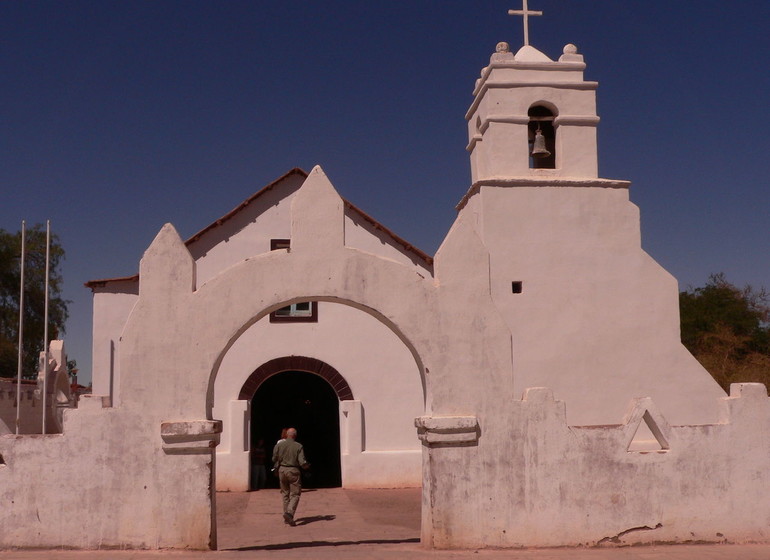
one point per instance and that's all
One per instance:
(280, 244)
(312, 318)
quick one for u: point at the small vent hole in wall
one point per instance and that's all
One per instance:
(516, 287)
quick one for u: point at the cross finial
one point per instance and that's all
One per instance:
(525, 12)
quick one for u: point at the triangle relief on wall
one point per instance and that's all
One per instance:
(646, 430)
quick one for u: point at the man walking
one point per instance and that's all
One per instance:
(288, 458)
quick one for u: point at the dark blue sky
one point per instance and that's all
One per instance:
(116, 117)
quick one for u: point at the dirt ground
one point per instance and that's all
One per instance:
(253, 520)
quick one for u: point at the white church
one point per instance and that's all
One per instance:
(341, 376)
(529, 375)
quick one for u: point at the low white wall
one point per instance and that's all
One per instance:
(396, 468)
(560, 485)
(31, 413)
(382, 469)
(107, 481)
(54, 377)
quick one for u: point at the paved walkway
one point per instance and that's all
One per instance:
(350, 524)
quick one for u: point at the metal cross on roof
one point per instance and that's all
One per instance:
(525, 13)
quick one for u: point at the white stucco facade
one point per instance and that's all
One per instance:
(537, 354)
(379, 448)
(387, 386)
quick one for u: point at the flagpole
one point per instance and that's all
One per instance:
(45, 320)
(21, 331)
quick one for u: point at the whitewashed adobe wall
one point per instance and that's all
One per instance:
(114, 478)
(580, 486)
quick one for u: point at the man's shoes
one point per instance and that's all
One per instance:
(288, 519)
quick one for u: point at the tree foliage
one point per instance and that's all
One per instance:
(728, 330)
(34, 298)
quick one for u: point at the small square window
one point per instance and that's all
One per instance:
(280, 244)
(302, 309)
(517, 287)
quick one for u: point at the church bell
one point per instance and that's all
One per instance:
(538, 146)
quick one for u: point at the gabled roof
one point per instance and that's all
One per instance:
(424, 257)
(232, 213)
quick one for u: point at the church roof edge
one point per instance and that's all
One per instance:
(427, 259)
(295, 171)
(398, 239)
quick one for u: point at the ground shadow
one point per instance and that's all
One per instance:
(315, 544)
(313, 519)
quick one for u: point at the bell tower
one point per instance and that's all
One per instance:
(591, 315)
(532, 116)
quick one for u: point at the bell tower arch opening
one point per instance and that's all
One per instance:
(541, 136)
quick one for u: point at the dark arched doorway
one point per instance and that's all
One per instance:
(307, 402)
(304, 393)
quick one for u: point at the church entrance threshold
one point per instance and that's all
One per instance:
(307, 402)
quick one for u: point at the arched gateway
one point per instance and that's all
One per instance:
(180, 337)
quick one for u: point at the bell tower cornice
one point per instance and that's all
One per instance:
(533, 116)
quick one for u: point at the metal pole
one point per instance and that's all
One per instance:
(21, 331)
(45, 320)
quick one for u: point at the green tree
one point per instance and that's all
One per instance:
(34, 298)
(728, 330)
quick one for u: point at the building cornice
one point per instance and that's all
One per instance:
(509, 84)
(541, 181)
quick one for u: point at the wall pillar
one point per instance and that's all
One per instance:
(351, 427)
(233, 454)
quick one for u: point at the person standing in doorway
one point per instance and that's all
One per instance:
(258, 474)
(289, 457)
